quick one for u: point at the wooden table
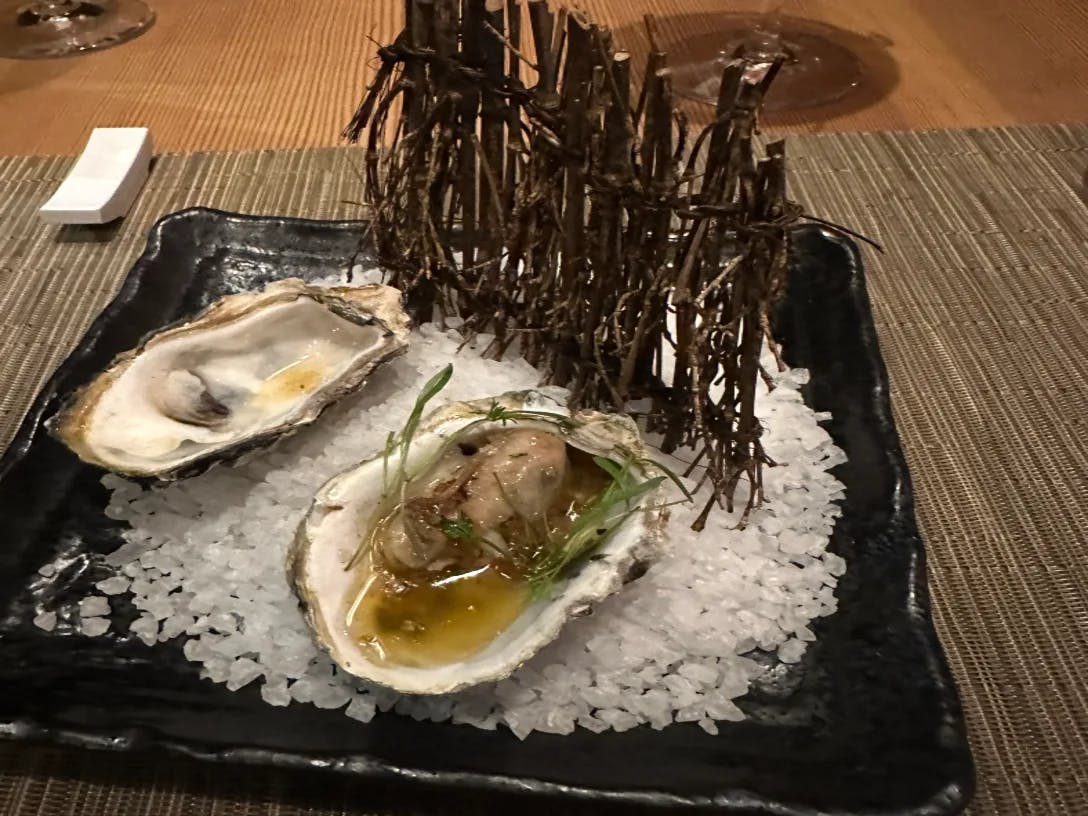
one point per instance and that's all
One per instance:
(980, 296)
(219, 75)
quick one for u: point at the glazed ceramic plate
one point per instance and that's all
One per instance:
(868, 722)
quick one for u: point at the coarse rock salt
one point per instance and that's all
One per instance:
(204, 561)
(93, 606)
(113, 585)
(93, 627)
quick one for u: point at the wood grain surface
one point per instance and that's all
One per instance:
(224, 74)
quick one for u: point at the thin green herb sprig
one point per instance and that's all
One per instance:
(430, 390)
(394, 483)
(399, 442)
(462, 529)
(597, 521)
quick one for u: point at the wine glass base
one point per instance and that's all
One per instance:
(818, 69)
(39, 30)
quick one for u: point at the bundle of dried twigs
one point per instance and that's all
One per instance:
(577, 219)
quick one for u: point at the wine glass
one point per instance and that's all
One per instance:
(55, 28)
(819, 67)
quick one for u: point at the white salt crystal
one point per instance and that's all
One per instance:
(514, 694)
(46, 621)
(698, 673)
(619, 720)
(243, 672)
(202, 602)
(692, 713)
(194, 650)
(146, 628)
(234, 645)
(597, 698)
(332, 696)
(217, 669)
(93, 627)
(792, 543)
(559, 720)
(93, 606)
(222, 622)
(520, 723)
(791, 651)
(176, 625)
(303, 690)
(361, 708)
(132, 569)
(836, 565)
(276, 693)
(113, 586)
(126, 553)
(47, 570)
(159, 607)
(593, 724)
(651, 705)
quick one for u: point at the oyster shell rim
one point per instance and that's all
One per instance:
(357, 304)
(646, 545)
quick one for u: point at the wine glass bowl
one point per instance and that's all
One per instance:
(57, 28)
(825, 69)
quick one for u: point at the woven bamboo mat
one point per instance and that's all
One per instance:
(981, 301)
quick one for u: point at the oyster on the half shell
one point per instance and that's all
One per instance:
(450, 560)
(244, 371)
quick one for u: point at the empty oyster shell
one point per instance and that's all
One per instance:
(246, 370)
(435, 570)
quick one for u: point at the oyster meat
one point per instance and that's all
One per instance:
(249, 368)
(461, 551)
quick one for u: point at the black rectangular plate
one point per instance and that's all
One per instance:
(868, 722)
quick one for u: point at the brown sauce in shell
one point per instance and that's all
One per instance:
(453, 600)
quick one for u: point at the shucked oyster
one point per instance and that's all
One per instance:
(250, 367)
(461, 551)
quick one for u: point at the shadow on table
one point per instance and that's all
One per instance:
(89, 233)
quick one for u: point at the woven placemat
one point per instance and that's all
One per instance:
(981, 301)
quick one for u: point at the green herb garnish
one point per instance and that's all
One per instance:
(459, 529)
(462, 529)
(598, 519)
(399, 442)
(430, 390)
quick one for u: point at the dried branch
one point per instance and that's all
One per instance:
(584, 220)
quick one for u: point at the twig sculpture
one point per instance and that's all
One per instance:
(551, 201)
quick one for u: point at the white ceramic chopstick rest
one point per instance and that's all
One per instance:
(105, 179)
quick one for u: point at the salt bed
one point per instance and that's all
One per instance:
(204, 559)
